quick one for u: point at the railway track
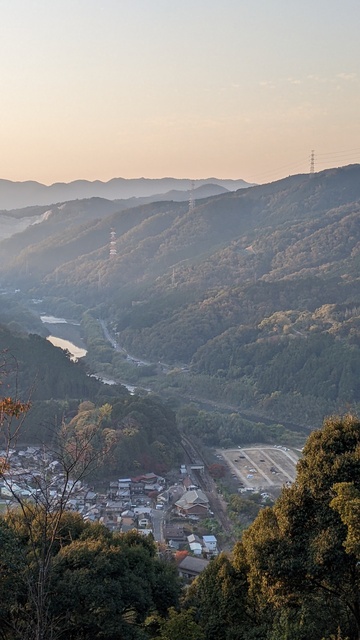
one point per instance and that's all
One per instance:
(207, 484)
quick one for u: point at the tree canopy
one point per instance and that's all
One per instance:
(298, 563)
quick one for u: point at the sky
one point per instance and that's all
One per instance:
(95, 89)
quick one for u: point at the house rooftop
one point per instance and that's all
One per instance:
(174, 533)
(209, 539)
(192, 497)
(193, 565)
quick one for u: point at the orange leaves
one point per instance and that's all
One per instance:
(4, 466)
(11, 408)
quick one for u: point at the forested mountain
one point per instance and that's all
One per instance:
(65, 401)
(257, 289)
(32, 367)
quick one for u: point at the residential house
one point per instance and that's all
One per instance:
(127, 521)
(123, 492)
(195, 544)
(175, 536)
(210, 545)
(193, 503)
(189, 568)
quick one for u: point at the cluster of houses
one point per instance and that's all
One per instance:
(177, 538)
(34, 474)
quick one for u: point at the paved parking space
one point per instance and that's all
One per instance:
(261, 467)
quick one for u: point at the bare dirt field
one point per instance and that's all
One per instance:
(263, 468)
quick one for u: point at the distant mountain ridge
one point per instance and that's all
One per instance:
(72, 212)
(15, 195)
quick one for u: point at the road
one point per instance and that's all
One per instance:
(157, 517)
(204, 402)
(119, 348)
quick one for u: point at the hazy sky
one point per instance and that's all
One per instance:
(189, 88)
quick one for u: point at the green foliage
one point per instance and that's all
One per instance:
(35, 368)
(18, 318)
(220, 598)
(295, 573)
(244, 509)
(180, 625)
(129, 436)
(102, 585)
(229, 429)
(11, 566)
(298, 548)
(347, 504)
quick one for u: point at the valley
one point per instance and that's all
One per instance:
(262, 342)
(226, 332)
(180, 320)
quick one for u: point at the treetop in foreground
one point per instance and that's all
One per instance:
(297, 565)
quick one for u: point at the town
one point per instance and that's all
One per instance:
(147, 503)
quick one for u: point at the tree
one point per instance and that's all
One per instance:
(220, 597)
(39, 522)
(101, 584)
(347, 504)
(106, 584)
(217, 470)
(180, 625)
(12, 564)
(300, 551)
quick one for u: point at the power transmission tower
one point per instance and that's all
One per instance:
(191, 198)
(113, 250)
(312, 163)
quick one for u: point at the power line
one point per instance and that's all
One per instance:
(335, 153)
(286, 168)
(322, 159)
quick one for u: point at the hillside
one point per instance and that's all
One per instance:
(257, 290)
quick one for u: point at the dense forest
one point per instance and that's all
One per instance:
(293, 575)
(66, 402)
(138, 434)
(33, 369)
(255, 291)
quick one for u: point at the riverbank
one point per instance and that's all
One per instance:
(67, 335)
(64, 330)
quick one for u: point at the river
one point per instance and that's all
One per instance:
(66, 335)
(76, 352)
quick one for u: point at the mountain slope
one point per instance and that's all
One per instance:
(256, 289)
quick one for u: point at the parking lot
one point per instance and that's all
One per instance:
(261, 467)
